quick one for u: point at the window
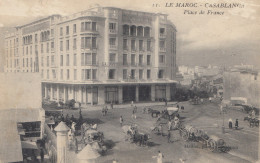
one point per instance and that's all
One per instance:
(30, 49)
(112, 26)
(61, 31)
(61, 45)
(162, 31)
(74, 28)
(74, 43)
(147, 32)
(161, 58)
(94, 42)
(94, 58)
(36, 38)
(148, 75)
(94, 74)
(141, 48)
(48, 61)
(68, 74)
(140, 59)
(86, 26)
(67, 30)
(148, 60)
(82, 74)
(88, 58)
(82, 59)
(140, 31)
(75, 74)
(94, 26)
(133, 30)
(132, 74)
(68, 60)
(52, 60)
(67, 44)
(61, 60)
(160, 74)
(112, 57)
(85, 42)
(42, 74)
(48, 74)
(125, 44)
(26, 63)
(88, 74)
(148, 45)
(132, 59)
(112, 42)
(42, 63)
(162, 44)
(53, 74)
(125, 30)
(75, 60)
(140, 74)
(52, 32)
(47, 48)
(124, 59)
(61, 74)
(124, 73)
(111, 74)
(52, 45)
(133, 45)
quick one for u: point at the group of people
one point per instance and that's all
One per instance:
(230, 123)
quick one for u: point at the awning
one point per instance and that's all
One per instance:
(29, 145)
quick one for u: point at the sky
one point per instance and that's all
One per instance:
(232, 38)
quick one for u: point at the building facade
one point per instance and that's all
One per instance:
(97, 56)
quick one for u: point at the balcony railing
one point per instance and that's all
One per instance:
(162, 49)
(112, 31)
(162, 35)
(113, 46)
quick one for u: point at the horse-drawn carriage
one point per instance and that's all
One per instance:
(213, 143)
(170, 113)
(253, 122)
(134, 136)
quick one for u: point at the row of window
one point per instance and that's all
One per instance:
(91, 74)
(85, 26)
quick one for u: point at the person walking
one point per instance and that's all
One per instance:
(106, 110)
(103, 111)
(111, 105)
(169, 136)
(132, 103)
(169, 125)
(160, 157)
(236, 124)
(165, 102)
(121, 120)
(230, 123)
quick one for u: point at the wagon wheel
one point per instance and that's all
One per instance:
(212, 145)
(184, 134)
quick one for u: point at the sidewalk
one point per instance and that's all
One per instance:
(121, 106)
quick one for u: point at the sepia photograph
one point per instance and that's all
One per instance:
(133, 81)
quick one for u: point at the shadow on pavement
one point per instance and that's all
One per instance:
(152, 144)
(110, 144)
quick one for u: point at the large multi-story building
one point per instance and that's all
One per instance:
(97, 56)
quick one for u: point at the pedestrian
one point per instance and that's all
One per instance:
(230, 123)
(42, 154)
(236, 124)
(253, 114)
(169, 125)
(160, 129)
(169, 136)
(133, 114)
(178, 106)
(210, 99)
(182, 108)
(111, 104)
(221, 109)
(121, 120)
(103, 111)
(106, 110)
(160, 157)
(132, 103)
(165, 102)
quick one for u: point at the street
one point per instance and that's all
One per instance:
(243, 142)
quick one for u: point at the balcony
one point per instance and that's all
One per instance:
(162, 49)
(114, 31)
(113, 46)
(162, 35)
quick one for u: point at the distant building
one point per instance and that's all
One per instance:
(21, 116)
(187, 74)
(242, 84)
(97, 56)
